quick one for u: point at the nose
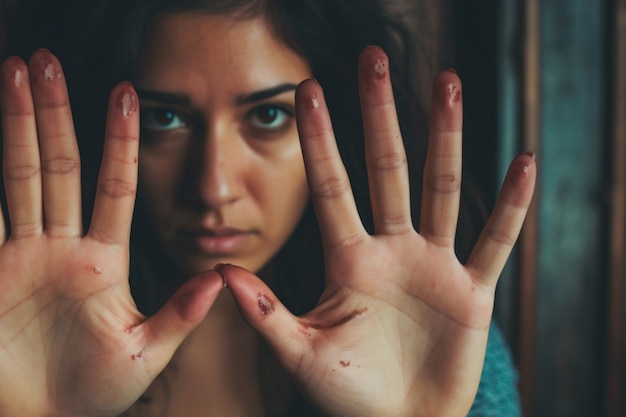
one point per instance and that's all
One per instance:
(218, 172)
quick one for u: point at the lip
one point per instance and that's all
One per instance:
(222, 241)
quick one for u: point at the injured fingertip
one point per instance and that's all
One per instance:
(266, 306)
(522, 169)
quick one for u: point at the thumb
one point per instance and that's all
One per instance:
(266, 314)
(167, 329)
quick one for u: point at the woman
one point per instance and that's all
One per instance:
(398, 327)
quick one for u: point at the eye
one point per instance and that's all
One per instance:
(161, 119)
(269, 117)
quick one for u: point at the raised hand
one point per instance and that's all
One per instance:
(402, 326)
(72, 342)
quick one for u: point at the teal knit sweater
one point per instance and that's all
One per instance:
(497, 393)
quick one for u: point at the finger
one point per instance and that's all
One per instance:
(186, 309)
(386, 158)
(442, 171)
(117, 181)
(60, 160)
(266, 314)
(327, 178)
(503, 227)
(21, 162)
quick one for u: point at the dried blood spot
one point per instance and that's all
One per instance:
(137, 356)
(344, 363)
(265, 304)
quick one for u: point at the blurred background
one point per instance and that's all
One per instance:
(549, 76)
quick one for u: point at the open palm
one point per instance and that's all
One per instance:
(401, 328)
(72, 342)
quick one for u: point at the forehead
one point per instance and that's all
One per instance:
(197, 48)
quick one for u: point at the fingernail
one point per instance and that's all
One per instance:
(51, 72)
(452, 70)
(454, 93)
(128, 103)
(521, 168)
(314, 101)
(18, 78)
(380, 68)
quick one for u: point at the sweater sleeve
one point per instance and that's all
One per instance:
(497, 394)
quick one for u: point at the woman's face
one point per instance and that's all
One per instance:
(221, 172)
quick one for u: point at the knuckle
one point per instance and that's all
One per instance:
(330, 188)
(397, 223)
(25, 229)
(53, 104)
(441, 240)
(117, 188)
(60, 166)
(322, 160)
(501, 237)
(58, 227)
(392, 161)
(350, 241)
(445, 184)
(101, 237)
(21, 173)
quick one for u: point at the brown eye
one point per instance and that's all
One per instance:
(269, 117)
(161, 119)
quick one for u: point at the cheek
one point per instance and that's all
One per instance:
(287, 195)
(158, 179)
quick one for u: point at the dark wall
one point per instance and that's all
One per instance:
(577, 231)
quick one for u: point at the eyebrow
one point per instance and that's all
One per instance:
(184, 100)
(264, 94)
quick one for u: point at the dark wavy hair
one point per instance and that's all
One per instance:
(99, 43)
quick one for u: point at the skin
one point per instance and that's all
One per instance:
(215, 160)
(400, 330)
(225, 163)
(408, 328)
